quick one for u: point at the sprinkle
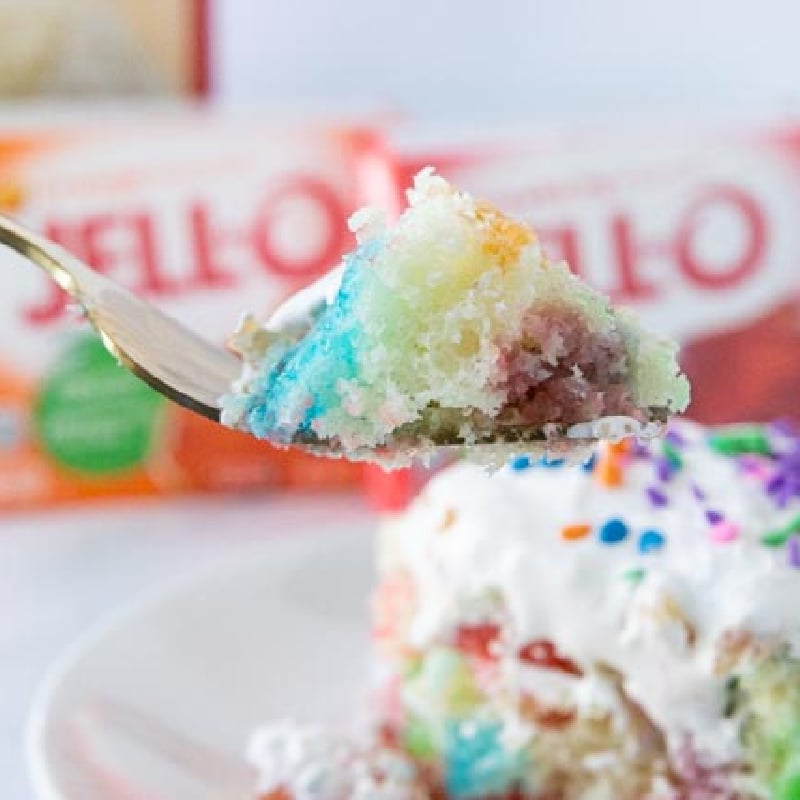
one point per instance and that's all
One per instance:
(793, 552)
(635, 575)
(551, 463)
(784, 427)
(674, 438)
(673, 456)
(775, 538)
(574, 532)
(724, 531)
(622, 447)
(713, 517)
(450, 516)
(520, 463)
(640, 450)
(784, 485)
(608, 472)
(793, 525)
(740, 440)
(698, 493)
(656, 496)
(755, 467)
(588, 465)
(664, 469)
(650, 541)
(780, 537)
(613, 531)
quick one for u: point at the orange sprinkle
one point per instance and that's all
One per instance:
(608, 471)
(621, 448)
(573, 532)
(11, 197)
(450, 517)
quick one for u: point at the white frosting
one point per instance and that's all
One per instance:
(662, 633)
(309, 762)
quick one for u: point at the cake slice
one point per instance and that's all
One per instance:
(451, 328)
(623, 631)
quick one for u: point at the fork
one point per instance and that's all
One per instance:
(196, 374)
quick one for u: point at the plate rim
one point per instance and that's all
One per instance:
(250, 556)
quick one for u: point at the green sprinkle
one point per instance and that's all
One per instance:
(672, 455)
(740, 440)
(776, 538)
(780, 537)
(634, 575)
(794, 525)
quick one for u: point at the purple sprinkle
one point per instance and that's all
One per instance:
(656, 496)
(664, 469)
(698, 493)
(641, 450)
(755, 466)
(784, 427)
(675, 439)
(793, 552)
(713, 517)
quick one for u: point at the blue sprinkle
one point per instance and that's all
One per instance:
(555, 463)
(613, 531)
(650, 541)
(713, 517)
(656, 496)
(520, 463)
(588, 465)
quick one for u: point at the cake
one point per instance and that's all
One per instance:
(624, 630)
(451, 328)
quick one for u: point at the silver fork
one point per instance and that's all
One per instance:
(168, 356)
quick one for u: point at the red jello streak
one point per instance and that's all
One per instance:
(479, 641)
(542, 653)
(276, 794)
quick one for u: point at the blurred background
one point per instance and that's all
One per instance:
(207, 153)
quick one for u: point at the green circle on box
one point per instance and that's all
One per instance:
(92, 415)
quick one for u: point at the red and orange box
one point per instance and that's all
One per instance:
(207, 218)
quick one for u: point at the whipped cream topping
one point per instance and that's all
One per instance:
(310, 762)
(648, 575)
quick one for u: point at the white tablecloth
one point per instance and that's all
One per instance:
(61, 572)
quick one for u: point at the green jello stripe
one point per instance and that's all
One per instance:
(786, 788)
(738, 441)
(418, 739)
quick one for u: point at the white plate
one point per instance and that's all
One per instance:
(158, 703)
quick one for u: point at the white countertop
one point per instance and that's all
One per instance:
(63, 571)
